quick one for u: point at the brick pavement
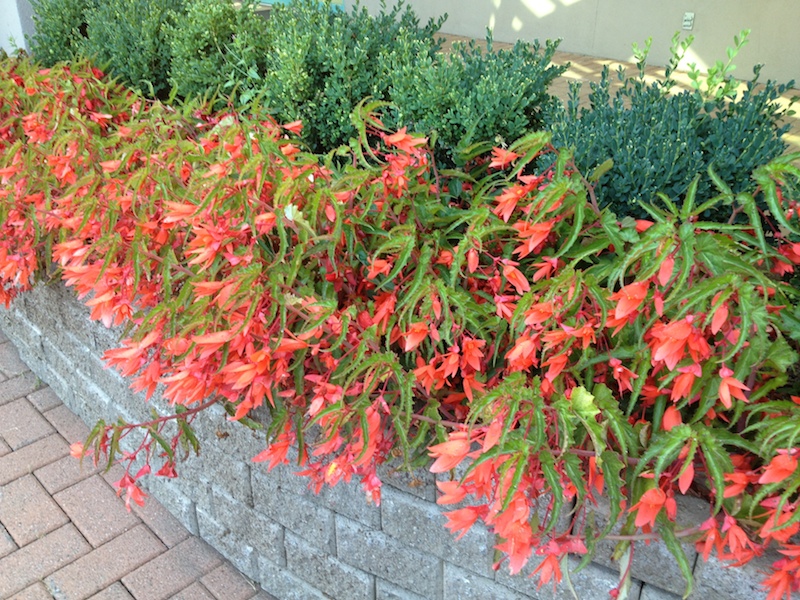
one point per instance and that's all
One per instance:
(64, 533)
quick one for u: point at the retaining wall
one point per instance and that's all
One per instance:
(298, 545)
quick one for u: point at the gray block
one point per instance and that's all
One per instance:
(300, 515)
(650, 592)
(279, 582)
(235, 549)
(419, 482)
(593, 581)
(381, 555)
(332, 576)
(467, 585)
(420, 525)
(715, 581)
(175, 501)
(389, 591)
(654, 562)
(249, 527)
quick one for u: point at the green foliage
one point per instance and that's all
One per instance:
(508, 329)
(218, 47)
(661, 141)
(129, 39)
(473, 96)
(60, 29)
(324, 62)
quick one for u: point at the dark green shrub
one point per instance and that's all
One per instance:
(660, 141)
(60, 29)
(128, 38)
(325, 61)
(470, 95)
(218, 47)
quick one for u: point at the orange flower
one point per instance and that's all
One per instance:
(730, 387)
(648, 507)
(501, 158)
(781, 467)
(629, 299)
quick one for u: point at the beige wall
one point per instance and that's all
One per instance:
(607, 28)
(11, 35)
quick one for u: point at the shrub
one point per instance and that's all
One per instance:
(660, 141)
(554, 353)
(60, 29)
(129, 39)
(472, 96)
(324, 62)
(218, 48)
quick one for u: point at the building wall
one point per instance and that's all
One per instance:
(11, 32)
(607, 28)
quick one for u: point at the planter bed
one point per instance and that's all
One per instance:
(331, 545)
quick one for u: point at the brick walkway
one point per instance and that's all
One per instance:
(65, 534)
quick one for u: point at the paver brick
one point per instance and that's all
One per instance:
(113, 592)
(172, 571)
(65, 473)
(18, 387)
(27, 510)
(196, 591)
(37, 591)
(226, 583)
(68, 424)
(31, 457)
(39, 559)
(103, 566)
(21, 424)
(10, 363)
(96, 510)
(7, 545)
(4, 448)
(44, 399)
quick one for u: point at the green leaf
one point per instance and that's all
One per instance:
(717, 460)
(667, 531)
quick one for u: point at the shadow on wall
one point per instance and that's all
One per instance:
(607, 28)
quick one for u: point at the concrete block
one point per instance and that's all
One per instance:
(220, 472)
(419, 482)
(594, 581)
(388, 591)
(250, 527)
(298, 514)
(326, 572)
(653, 562)
(420, 525)
(279, 582)
(715, 581)
(381, 555)
(467, 585)
(237, 551)
(182, 506)
(651, 592)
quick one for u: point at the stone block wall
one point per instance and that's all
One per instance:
(302, 546)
